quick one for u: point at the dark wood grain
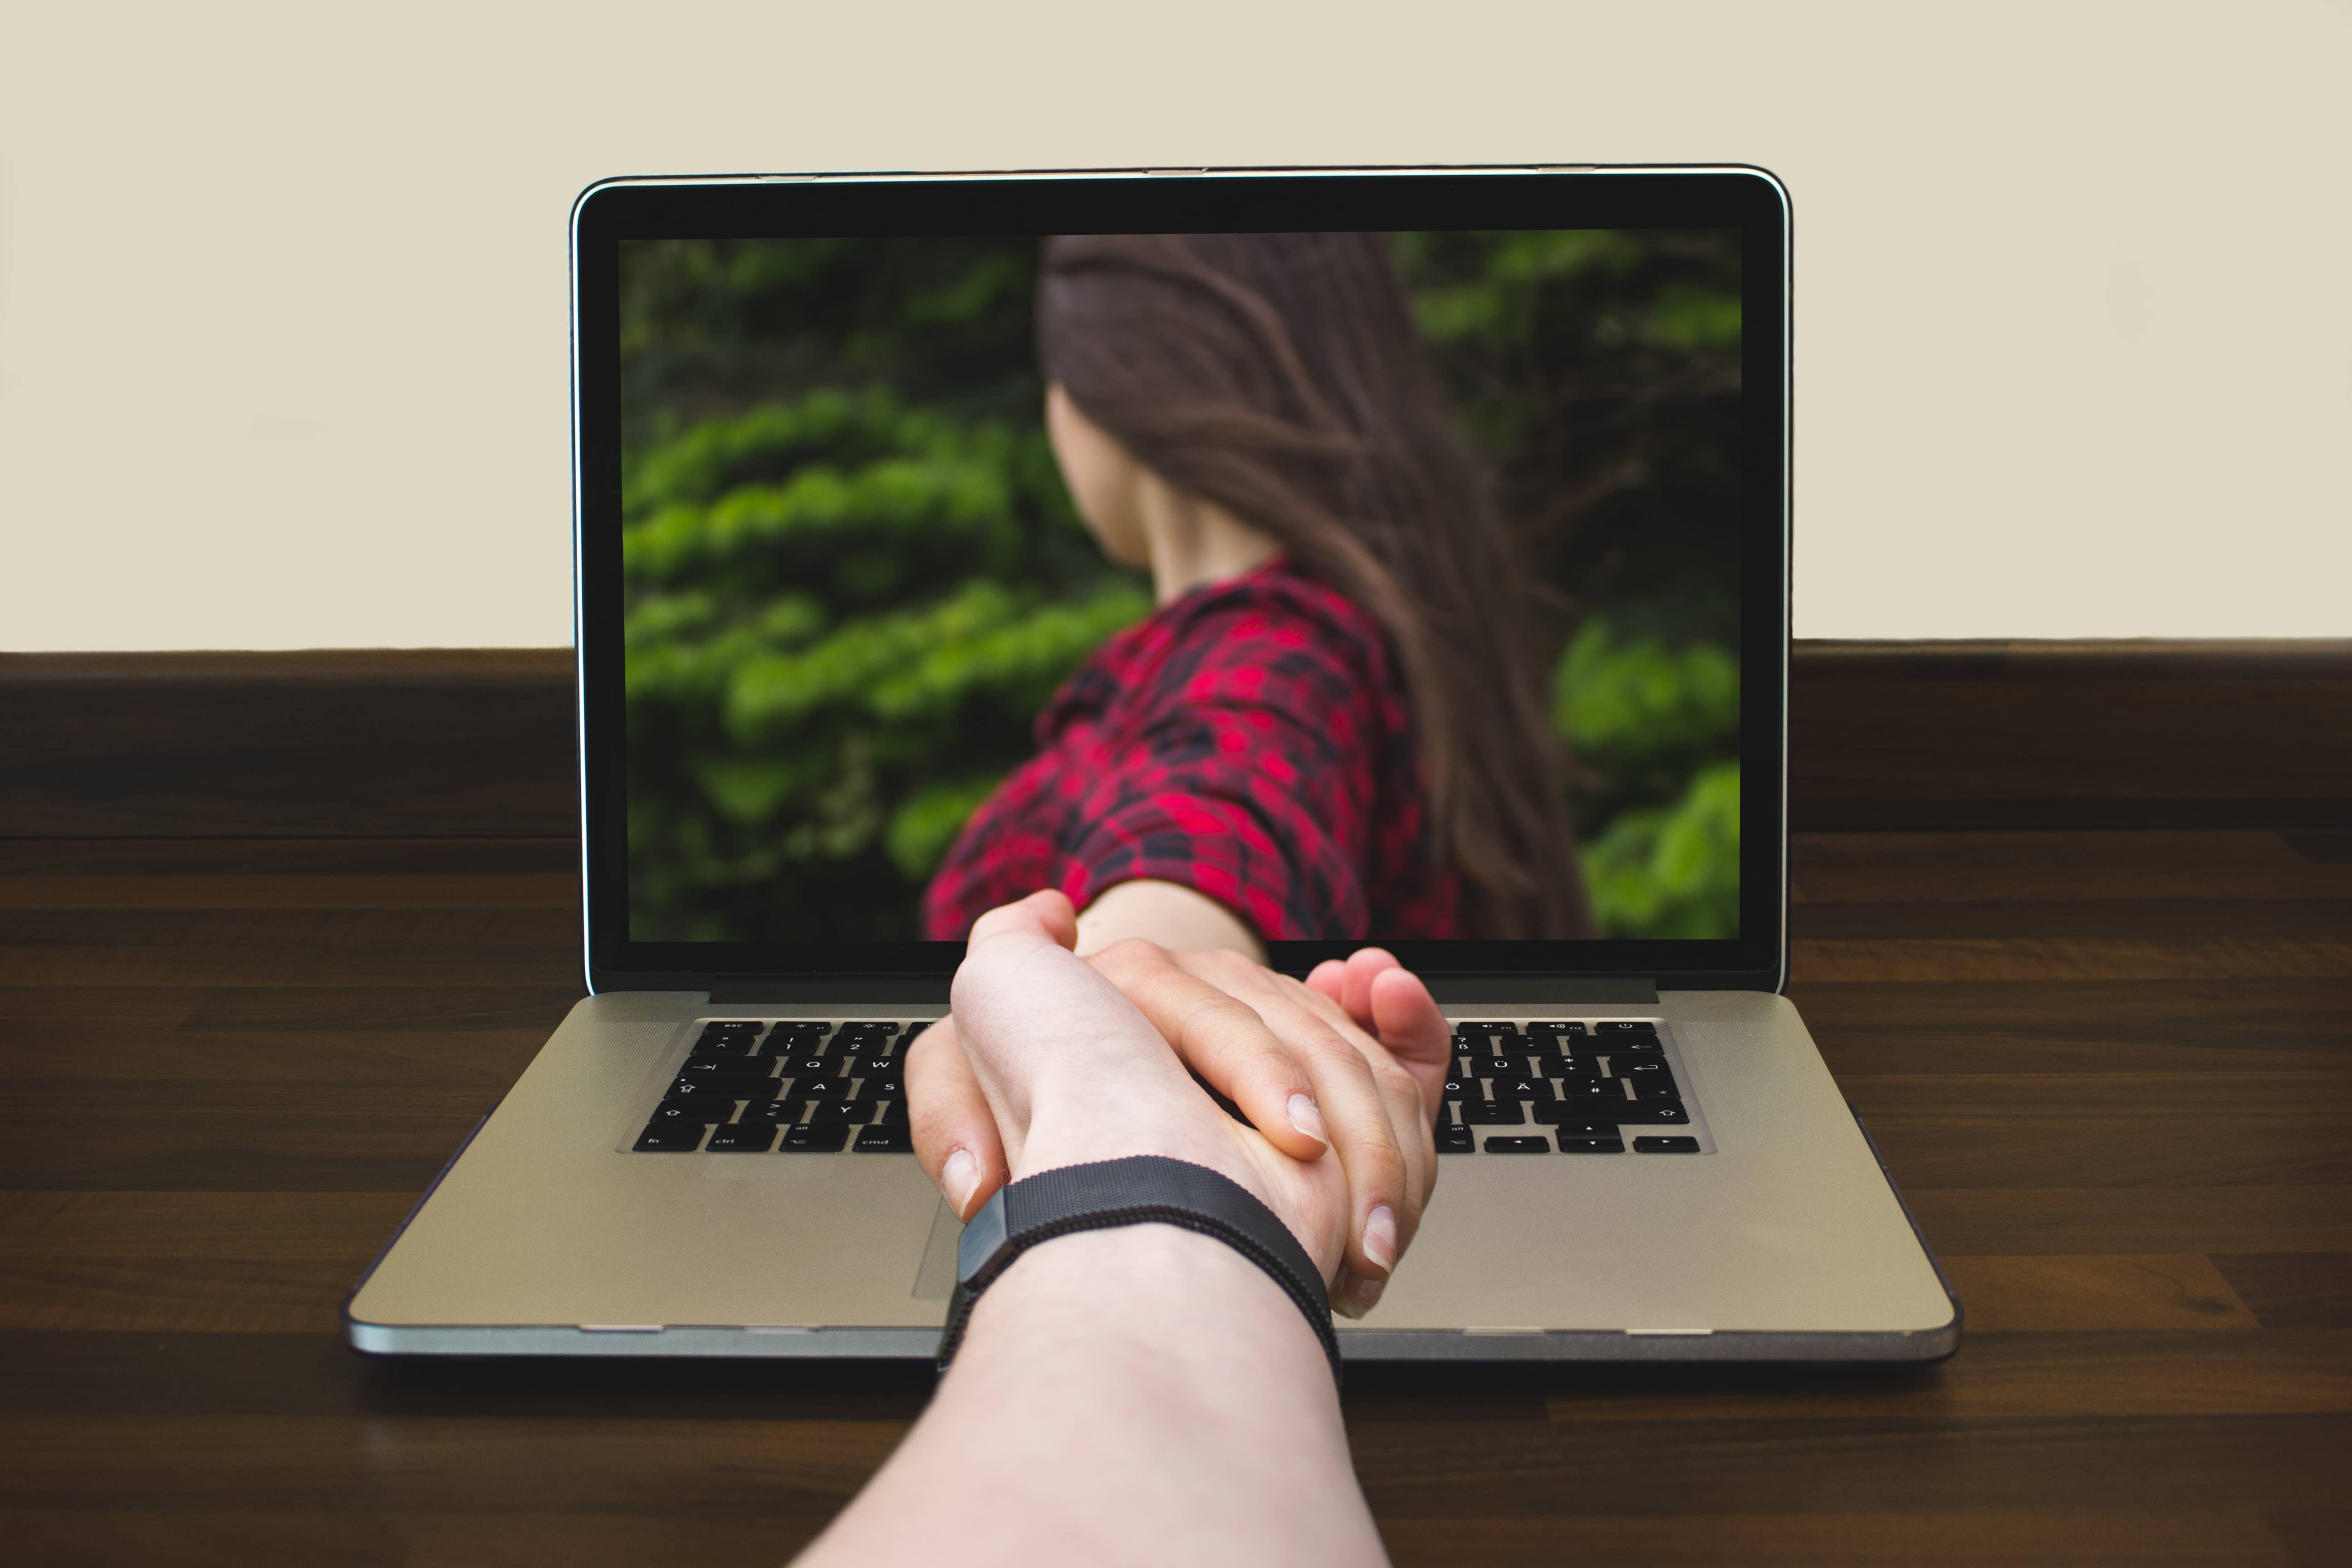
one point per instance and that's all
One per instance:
(2112, 1069)
(439, 742)
(396, 743)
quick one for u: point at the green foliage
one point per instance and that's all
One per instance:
(852, 576)
(847, 596)
(1655, 729)
(1672, 871)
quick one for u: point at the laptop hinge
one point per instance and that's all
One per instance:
(1542, 990)
(826, 990)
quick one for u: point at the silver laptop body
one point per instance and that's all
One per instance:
(1759, 1227)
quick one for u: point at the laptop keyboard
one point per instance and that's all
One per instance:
(1556, 1087)
(749, 1086)
(794, 1088)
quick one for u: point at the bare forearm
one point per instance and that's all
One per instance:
(1168, 913)
(1136, 1395)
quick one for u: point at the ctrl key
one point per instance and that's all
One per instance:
(1665, 1145)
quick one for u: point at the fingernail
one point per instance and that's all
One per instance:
(1380, 1237)
(1307, 1118)
(961, 1175)
(1363, 1295)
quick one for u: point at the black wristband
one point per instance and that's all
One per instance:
(1146, 1189)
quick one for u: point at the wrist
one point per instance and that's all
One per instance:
(1155, 1296)
(1095, 1122)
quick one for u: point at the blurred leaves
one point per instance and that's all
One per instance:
(1655, 729)
(852, 576)
(1671, 870)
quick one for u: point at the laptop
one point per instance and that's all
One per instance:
(835, 602)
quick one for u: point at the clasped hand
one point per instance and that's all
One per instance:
(1049, 1060)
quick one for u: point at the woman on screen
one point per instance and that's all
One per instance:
(1331, 727)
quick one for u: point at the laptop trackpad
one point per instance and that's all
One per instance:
(935, 1280)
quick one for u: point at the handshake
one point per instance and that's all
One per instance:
(1049, 1060)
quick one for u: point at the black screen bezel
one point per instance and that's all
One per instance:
(753, 206)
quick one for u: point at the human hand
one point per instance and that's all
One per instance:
(1333, 1102)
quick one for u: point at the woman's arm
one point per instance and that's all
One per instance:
(1168, 913)
(1143, 1394)
(1140, 1394)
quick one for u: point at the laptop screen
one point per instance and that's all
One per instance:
(1371, 583)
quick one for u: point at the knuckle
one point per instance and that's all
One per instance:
(1382, 1172)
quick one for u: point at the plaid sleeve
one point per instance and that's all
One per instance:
(1252, 782)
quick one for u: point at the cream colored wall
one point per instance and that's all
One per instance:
(282, 287)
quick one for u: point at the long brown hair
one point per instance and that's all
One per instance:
(1281, 378)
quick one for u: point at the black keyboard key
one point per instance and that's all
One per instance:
(917, 1027)
(701, 1112)
(1526, 1090)
(1579, 1146)
(1601, 1094)
(722, 1066)
(1640, 1065)
(668, 1137)
(742, 1031)
(884, 1141)
(729, 1087)
(889, 1086)
(1518, 1145)
(1457, 1140)
(1461, 1087)
(821, 1139)
(1665, 1145)
(836, 1112)
(1588, 1130)
(811, 1064)
(1568, 1115)
(780, 1044)
(1620, 1028)
(1662, 1087)
(768, 1112)
(1654, 1113)
(1573, 1066)
(707, 1091)
(820, 1088)
(1494, 1113)
(741, 1138)
(1557, 1031)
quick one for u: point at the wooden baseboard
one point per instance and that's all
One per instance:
(477, 742)
(2071, 734)
(426, 743)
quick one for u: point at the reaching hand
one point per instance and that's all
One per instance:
(1050, 1061)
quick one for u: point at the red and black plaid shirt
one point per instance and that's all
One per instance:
(1249, 741)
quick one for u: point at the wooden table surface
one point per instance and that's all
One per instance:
(2110, 1069)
